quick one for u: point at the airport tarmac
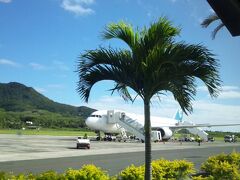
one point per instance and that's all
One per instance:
(20, 153)
(22, 147)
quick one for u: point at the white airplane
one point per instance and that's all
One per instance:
(115, 122)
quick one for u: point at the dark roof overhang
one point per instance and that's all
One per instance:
(229, 12)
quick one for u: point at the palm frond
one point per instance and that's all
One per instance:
(122, 91)
(160, 33)
(197, 61)
(209, 20)
(104, 64)
(215, 31)
(122, 31)
(176, 69)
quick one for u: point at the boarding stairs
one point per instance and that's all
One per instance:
(123, 133)
(131, 125)
(196, 131)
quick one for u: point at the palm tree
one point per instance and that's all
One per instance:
(209, 20)
(153, 64)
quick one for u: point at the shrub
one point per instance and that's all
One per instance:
(2, 175)
(223, 166)
(203, 178)
(7, 176)
(87, 172)
(132, 173)
(177, 169)
(10, 176)
(49, 175)
(161, 169)
(18, 177)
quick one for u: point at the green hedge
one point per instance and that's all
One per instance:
(222, 166)
(161, 169)
(88, 172)
(131, 173)
(177, 169)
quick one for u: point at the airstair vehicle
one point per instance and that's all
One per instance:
(197, 131)
(131, 125)
(137, 129)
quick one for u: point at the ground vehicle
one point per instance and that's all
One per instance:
(190, 139)
(230, 138)
(187, 139)
(83, 143)
(211, 139)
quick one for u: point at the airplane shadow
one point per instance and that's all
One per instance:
(75, 148)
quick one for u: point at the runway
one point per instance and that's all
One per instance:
(41, 153)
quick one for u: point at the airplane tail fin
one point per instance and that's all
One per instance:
(179, 115)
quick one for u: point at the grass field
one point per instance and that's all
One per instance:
(66, 132)
(217, 138)
(50, 132)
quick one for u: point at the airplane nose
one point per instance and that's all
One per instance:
(87, 121)
(90, 122)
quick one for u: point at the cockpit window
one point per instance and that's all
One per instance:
(94, 115)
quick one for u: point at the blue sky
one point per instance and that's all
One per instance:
(40, 42)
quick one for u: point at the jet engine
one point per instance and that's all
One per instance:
(166, 133)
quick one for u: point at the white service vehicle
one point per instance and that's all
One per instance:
(83, 143)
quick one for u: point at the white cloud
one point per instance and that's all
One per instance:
(167, 107)
(56, 65)
(229, 95)
(227, 92)
(78, 7)
(8, 63)
(37, 66)
(230, 88)
(61, 66)
(213, 113)
(85, 1)
(223, 88)
(40, 90)
(230, 92)
(5, 1)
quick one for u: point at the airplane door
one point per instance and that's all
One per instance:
(159, 136)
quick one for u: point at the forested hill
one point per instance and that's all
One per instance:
(17, 97)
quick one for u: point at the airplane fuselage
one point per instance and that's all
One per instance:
(98, 121)
(112, 121)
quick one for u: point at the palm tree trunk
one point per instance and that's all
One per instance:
(147, 127)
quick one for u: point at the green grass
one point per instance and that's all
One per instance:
(65, 132)
(217, 138)
(50, 132)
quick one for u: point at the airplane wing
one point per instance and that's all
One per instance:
(176, 126)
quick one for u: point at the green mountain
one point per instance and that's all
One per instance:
(19, 103)
(18, 97)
